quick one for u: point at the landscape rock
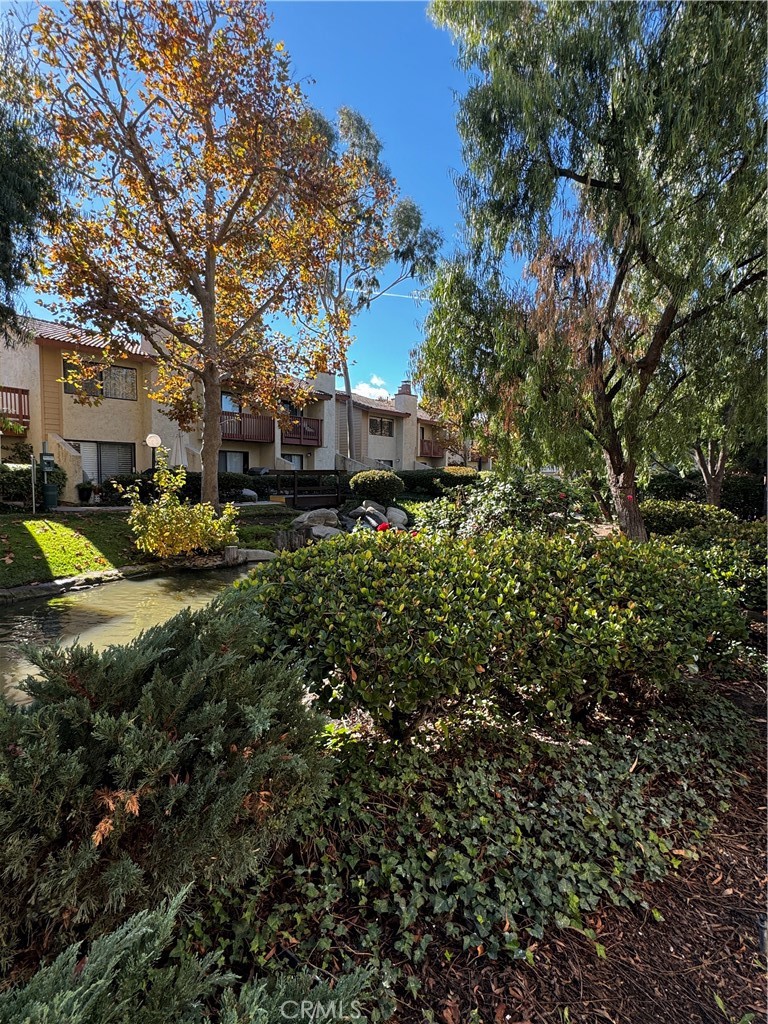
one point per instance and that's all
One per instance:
(374, 505)
(357, 513)
(396, 517)
(248, 493)
(256, 554)
(317, 517)
(374, 517)
(324, 532)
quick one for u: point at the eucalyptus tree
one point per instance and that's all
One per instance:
(620, 148)
(381, 240)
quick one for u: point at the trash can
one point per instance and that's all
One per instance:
(50, 496)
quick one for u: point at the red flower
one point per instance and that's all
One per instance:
(561, 495)
(414, 533)
(382, 526)
(629, 497)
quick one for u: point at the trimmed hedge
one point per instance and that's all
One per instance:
(181, 757)
(377, 485)
(733, 554)
(666, 517)
(392, 623)
(231, 486)
(16, 483)
(433, 482)
(742, 493)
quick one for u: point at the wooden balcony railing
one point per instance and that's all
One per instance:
(431, 449)
(245, 426)
(14, 404)
(304, 430)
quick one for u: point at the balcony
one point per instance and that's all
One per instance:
(14, 405)
(245, 426)
(431, 449)
(304, 431)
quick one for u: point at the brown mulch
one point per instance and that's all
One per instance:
(709, 943)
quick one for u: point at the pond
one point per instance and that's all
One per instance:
(111, 614)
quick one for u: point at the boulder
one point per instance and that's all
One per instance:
(248, 493)
(374, 517)
(374, 505)
(396, 517)
(317, 517)
(256, 554)
(357, 513)
(324, 532)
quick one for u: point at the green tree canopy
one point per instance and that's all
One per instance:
(621, 149)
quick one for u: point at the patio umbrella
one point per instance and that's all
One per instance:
(178, 456)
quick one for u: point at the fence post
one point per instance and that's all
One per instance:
(295, 489)
(338, 487)
(33, 467)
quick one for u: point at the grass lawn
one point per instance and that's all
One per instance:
(41, 548)
(36, 549)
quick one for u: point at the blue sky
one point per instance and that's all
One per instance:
(387, 60)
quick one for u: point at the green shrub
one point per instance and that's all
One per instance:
(733, 554)
(182, 757)
(522, 501)
(744, 495)
(392, 623)
(126, 977)
(665, 517)
(114, 491)
(671, 487)
(168, 526)
(16, 483)
(377, 485)
(454, 476)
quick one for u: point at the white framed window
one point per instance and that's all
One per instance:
(104, 459)
(297, 461)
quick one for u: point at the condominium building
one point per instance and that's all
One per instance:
(95, 442)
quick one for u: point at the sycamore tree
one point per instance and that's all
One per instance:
(204, 197)
(381, 240)
(620, 150)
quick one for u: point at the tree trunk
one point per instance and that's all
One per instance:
(712, 468)
(623, 488)
(211, 435)
(350, 411)
(602, 502)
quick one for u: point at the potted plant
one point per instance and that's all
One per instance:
(84, 491)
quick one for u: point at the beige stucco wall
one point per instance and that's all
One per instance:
(20, 368)
(382, 447)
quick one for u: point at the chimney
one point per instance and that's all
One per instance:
(405, 388)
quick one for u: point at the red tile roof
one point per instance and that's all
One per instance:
(61, 334)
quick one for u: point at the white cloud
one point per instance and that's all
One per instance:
(372, 389)
(377, 381)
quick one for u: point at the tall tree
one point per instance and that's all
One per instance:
(28, 177)
(380, 242)
(205, 198)
(621, 148)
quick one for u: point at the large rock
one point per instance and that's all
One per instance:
(324, 532)
(256, 554)
(374, 505)
(374, 517)
(357, 513)
(248, 493)
(317, 517)
(396, 517)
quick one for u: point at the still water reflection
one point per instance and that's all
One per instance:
(111, 614)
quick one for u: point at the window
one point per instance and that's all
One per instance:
(120, 382)
(233, 462)
(229, 404)
(297, 461)
(103, 459)
(90, 387)
(386, 462)
(381, 427)
(111, 382)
